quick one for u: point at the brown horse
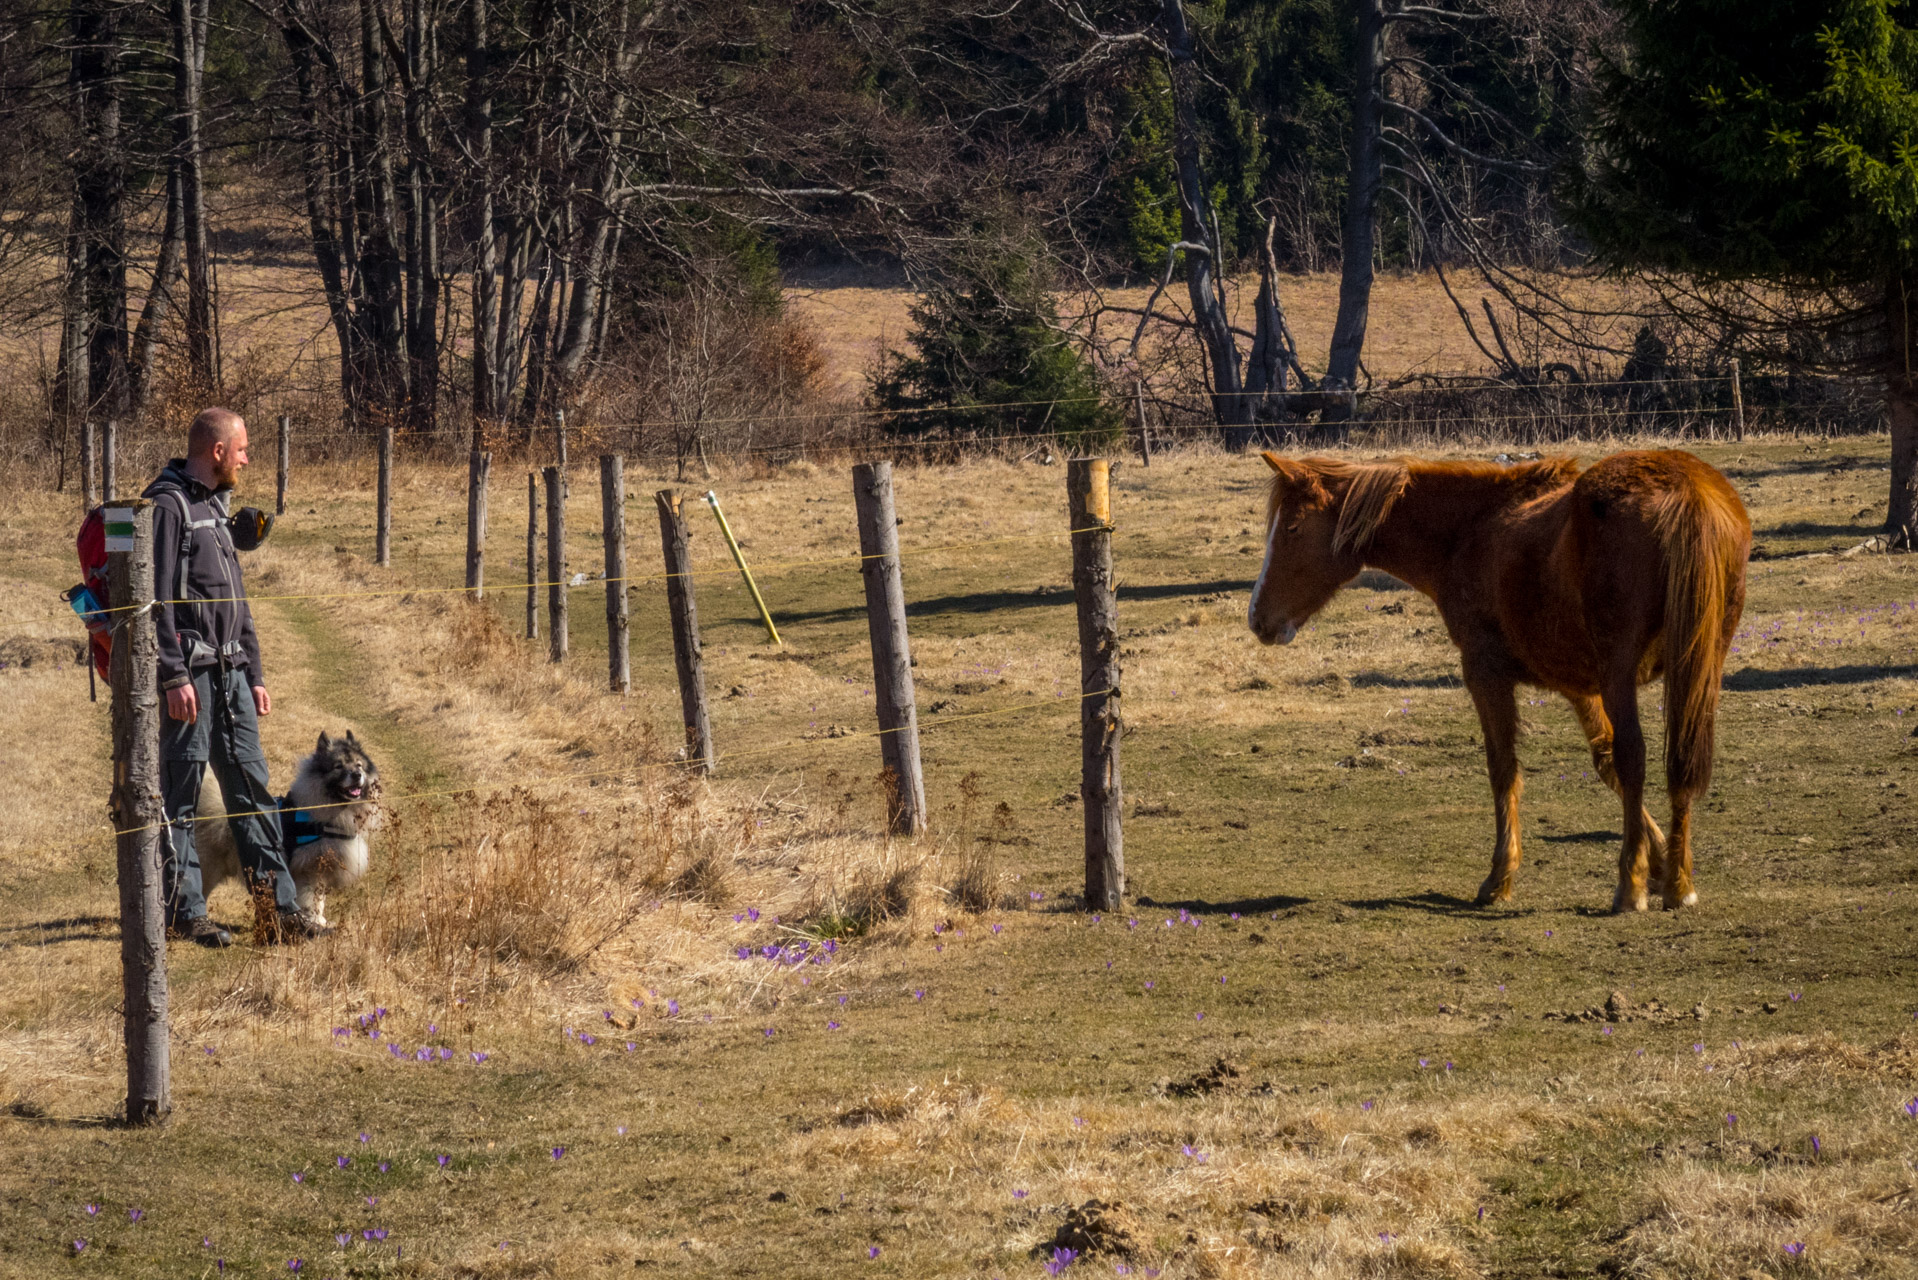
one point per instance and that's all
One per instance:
(1589, 584)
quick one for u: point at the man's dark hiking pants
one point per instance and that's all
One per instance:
(227, 736)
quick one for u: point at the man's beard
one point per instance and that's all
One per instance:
(225, 476)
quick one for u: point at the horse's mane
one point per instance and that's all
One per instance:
(1373, 488)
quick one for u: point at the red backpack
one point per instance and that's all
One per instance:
(89, 596)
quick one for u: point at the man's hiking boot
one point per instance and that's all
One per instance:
(203, 932)
(293, 926)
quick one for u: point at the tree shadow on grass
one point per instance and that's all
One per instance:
(1756, 680)
(1244, 906)
(44, 933)
(1027, 598)
(1437, 904)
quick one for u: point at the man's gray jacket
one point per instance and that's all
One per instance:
(209, 619)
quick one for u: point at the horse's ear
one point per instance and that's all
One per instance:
(1272, 461)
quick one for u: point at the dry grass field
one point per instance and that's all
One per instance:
(593, 1017)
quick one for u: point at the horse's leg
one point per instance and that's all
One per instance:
(1598, 732)
(1678, 862)
(1498, 717)
(1628, 764)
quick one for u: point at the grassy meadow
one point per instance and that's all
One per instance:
(596, 1017)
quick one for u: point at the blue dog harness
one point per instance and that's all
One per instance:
(296, 829)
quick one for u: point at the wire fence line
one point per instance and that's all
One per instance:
(557, 779)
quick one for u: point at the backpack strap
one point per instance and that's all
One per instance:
(187, 525)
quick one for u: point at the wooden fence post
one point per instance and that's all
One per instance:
(1738, 402)
(109, 459)
(891, 650)
(612, 506)
(138, 814)
(383, 537)
(556, 626)
(89, 499)
(532, 555)
(559, 439)
(1089, 496)
(1145, 440)
(479, 469)
(673, 538)
(286, 461)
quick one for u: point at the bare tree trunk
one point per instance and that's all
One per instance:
(99, 194)
(1360, 238)
(486, 284)
(189, 21)
(1198, 226)
(382, 315)
(1901, 404)
(423, 240)
(159, 300)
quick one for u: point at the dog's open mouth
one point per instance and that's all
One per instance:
(353, 793)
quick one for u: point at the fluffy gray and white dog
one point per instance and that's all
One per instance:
(330, 810)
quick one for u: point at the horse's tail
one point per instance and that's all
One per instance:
(1704, 536)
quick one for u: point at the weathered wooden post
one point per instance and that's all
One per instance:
(532, 555)
(286, 461)
(559, 439)
(109, 459)
(383, 537)
(556, 628)
(88, 498)
(479, 468)
(891, 650)
(673, 538)
(138, 816)
(1089, 498)
(1738, 402)
(612, 516)
(1145, 440)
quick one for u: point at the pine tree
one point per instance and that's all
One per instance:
(1776, 142)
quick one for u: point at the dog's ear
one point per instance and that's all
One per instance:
(352, 741)
(326, 744)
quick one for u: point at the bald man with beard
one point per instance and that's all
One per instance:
(215, 688)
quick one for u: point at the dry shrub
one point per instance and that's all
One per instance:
(975, 881)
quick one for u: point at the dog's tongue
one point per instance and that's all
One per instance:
(354, 792)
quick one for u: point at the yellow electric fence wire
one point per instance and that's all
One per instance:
(630, 578)
(603, 773)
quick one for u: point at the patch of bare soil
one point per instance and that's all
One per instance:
(1099, 1227)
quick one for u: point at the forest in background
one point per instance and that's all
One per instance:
(508, 208)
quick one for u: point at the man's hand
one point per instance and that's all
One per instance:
(262, 700)
(182, 703)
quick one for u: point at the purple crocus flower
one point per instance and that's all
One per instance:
(1020, 1193)
(364, 1138)
(1060, 1260)
(1366, 1105)
(93, 1211)
(134, 1215)
(1795, 1248)
(1815, 1146)
(998, 928)
(832, 1026)
(872, 1251)
(444, 1160)
(1731, 1120)
(79, 1246)
(294, 1264)
(558, 1152)
(341, 1161)
(630, 1046)
(752, 914)
(382, 1166)
(342, 1238)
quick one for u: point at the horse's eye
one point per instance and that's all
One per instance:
(1293, 527)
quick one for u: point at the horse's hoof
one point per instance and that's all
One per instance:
(1490, 894)
(1623, 903)
(1689, 899)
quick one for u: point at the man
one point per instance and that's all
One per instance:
(210, 673)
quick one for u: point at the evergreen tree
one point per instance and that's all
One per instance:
(1773, 142)
(987, 334)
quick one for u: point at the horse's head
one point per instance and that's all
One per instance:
(1320, 516)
